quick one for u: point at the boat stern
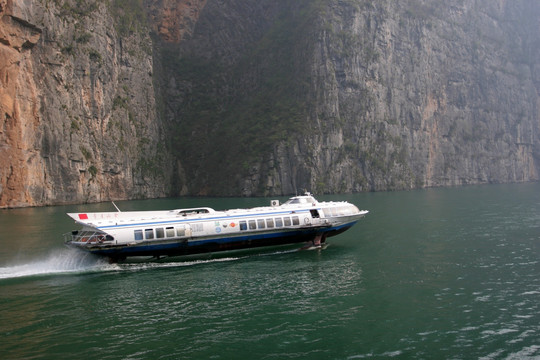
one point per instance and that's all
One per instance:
(84, 239)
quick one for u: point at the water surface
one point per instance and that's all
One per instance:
(438, 273)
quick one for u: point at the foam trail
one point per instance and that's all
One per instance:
(63, 261)
(170, 264)
(73, 261)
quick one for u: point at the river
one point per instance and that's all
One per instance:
(451, 273)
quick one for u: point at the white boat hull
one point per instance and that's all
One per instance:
(121, 235)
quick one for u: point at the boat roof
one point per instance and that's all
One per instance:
(303, 199)
(127, 217)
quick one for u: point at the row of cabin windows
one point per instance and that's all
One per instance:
(269, 223)
(159, 233)
(171, 232)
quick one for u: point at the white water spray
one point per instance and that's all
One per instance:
(63, 261)
(68, 261)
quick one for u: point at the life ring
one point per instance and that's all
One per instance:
(306, 221)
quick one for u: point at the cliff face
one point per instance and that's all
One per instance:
(174, 20)
(343, 96)
(78, 108)
(437, 93)
(18, 102)
(121, 99)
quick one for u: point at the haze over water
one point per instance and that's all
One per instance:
(429, 274)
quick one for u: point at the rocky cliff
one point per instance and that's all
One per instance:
(344, 96)
(118, 99)
(78, 108)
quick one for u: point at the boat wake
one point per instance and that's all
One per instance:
(70, 261)
(172, 263)
(65, 261)
(77, 262)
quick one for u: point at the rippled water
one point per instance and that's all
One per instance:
(439, 273)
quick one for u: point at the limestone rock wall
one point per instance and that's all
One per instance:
(78, 108)
(346, 96)
(18, 102)
(432, 93)
(123, 99)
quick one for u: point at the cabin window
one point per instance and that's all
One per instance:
(243, 225)
(314, 214)
(197, 227)
(270, 223)
(148, 234)
(252, 225)
(180, 232)
(279, 222)
(348, 210)
(287, 221)
(169, 232)
(295, 220)
(260, 223)
(138, 235)
(160, 234)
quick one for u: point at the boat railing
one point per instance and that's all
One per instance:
(88, 237)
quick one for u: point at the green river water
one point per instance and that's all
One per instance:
(430, 274)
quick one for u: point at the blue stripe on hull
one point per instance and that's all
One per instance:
(216, 244)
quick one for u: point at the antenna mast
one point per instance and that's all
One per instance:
(116, 206)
